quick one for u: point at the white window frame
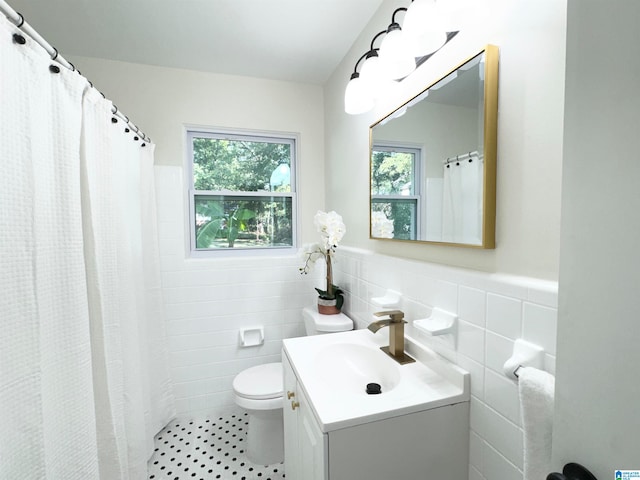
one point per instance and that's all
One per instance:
(249, 135)
(416, 151)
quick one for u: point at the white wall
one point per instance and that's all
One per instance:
(531, 37)
(494, 310)
(598, 379)
(517, 298)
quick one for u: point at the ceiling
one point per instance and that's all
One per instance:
(293, 40)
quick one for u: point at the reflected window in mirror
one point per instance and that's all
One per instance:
(395, 191)
(433, 160)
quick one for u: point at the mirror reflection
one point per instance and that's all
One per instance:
(433, 161)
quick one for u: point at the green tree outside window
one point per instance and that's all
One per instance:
(243, 196)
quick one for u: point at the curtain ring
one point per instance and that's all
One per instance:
(19, 39)
(73, 67)
(21, 20)
(56, 55)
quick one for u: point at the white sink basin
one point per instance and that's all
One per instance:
(335, 369)
(349, 367)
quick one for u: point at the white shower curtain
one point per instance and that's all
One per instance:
(84, 383)
(462, 202)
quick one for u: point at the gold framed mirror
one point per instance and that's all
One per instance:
(433, 161)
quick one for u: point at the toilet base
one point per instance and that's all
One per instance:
(265, 437)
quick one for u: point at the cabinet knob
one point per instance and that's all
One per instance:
(290, 395)
(294, 405)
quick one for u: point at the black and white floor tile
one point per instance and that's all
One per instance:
(207, 449)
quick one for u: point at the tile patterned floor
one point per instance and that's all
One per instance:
(207, 449)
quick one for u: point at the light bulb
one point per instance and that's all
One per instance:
(396, 55)
(460, 14)
(400, 112)
(387, 89)
(427, 43)
(371, 72)
(357, 96)
(424, 27)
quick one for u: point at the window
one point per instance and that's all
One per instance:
(395, 188)
(242, 191)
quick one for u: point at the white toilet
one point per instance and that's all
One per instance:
(259, 390)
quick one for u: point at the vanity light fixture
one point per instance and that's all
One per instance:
(424, 27)
(358, 97)
(396, 52)
(372, 70)
(402, 49)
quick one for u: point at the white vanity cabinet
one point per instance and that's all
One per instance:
(424, 445)
(305, 450)
(418, 430)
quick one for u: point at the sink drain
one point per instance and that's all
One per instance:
(374, 388)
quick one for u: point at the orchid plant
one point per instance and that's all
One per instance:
(331, 229)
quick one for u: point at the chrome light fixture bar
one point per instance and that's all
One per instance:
(401, 51)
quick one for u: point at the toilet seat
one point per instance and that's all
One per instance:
(259, 387)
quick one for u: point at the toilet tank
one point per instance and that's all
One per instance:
(316, 323)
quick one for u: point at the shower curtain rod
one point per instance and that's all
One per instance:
(18, 20)
(459, 158)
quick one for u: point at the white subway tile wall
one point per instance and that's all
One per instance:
(494, 310)
(208, 300)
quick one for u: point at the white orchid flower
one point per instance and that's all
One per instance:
(381, 226)
(332, 229)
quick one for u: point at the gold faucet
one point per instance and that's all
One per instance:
(395, 322)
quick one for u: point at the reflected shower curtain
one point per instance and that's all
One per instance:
(84, 383)
(462, 202)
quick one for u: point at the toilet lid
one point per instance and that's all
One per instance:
(333, 323)
(259, 382)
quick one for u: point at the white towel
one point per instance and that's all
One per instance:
(536, 401)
